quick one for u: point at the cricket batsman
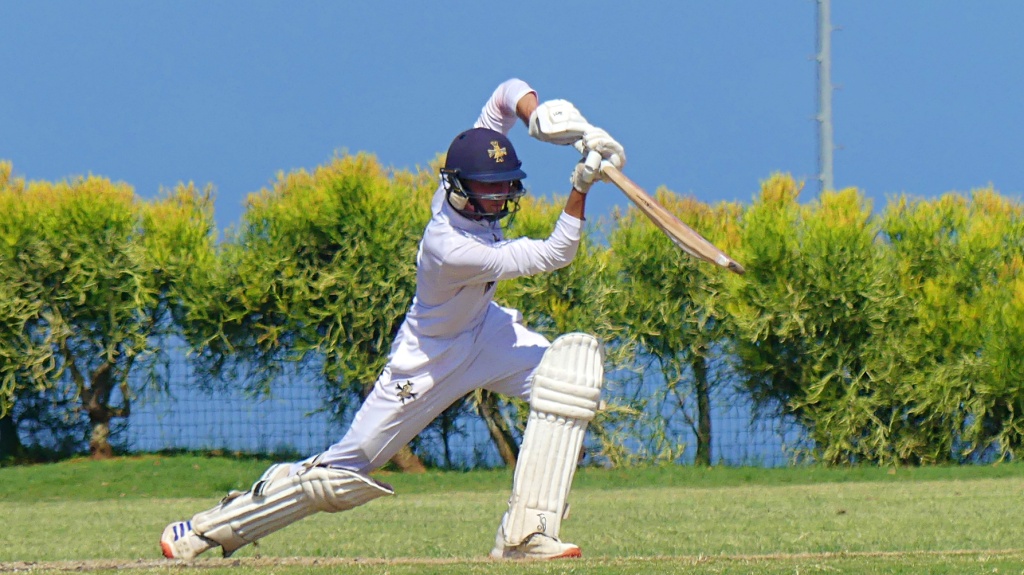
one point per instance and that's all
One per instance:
(455, 339)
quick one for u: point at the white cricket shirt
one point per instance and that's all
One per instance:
(460, 260)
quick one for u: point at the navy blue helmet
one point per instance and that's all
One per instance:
(482, 155)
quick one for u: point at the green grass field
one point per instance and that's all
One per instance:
(107, 516)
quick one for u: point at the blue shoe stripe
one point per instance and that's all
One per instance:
(181, 529)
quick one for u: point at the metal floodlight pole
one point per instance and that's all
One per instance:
(825, 148)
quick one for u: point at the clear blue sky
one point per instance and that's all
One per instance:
(709, 98)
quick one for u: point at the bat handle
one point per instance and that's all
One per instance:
(593, 158)
(609, 170)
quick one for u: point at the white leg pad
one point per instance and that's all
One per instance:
(278, 500)
(565, 397)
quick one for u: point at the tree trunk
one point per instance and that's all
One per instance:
(501, 435)
(702, 389)
(99, 440)
(96, 402)
(10, 443)
(408, 462)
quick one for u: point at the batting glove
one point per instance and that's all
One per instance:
(586, 172)
(558, 122)
(598, 140)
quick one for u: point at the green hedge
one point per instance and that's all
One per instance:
(892, 336)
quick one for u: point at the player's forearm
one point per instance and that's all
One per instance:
(576, 205)
(525, 106)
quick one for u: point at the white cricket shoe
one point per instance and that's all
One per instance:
(536, 546)
(178, 541)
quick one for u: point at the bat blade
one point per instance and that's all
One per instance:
(682, 235)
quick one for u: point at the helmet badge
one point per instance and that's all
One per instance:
(497, 152)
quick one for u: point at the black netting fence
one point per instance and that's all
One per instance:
(293, 419)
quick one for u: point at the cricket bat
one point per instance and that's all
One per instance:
(685, 237)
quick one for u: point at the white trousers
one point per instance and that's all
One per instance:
(500, 356)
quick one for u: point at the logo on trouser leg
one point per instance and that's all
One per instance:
(404, 389)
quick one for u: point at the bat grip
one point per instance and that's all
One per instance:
(592, 160)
